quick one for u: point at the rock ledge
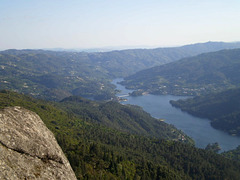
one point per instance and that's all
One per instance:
(28, 150)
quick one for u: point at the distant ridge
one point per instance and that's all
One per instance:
(209, 44)
(54, 75)
(202, 74)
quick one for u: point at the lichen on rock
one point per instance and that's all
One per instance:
(28, 149)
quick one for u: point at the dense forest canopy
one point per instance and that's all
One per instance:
(223, 109)
(96, 151)
(126, 118)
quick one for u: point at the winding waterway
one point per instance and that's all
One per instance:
(197, 128)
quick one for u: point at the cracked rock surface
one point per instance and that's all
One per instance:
(28, 149)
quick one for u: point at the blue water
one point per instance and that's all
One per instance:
(198, 128)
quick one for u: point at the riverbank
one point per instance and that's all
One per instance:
(197, 128)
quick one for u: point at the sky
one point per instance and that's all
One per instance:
(36, 24)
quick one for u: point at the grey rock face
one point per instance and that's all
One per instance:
(28, 150)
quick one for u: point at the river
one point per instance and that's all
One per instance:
(198, 129)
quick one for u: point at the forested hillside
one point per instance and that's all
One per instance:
(96, 151)
(56, 75)
(126, 118)
(223, 109)
(202, 74)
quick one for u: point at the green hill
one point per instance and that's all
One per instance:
(53, 75)
(126, 118)
(223, 109)
(98, 152)
(202, 74)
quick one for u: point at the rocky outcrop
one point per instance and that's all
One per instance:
(28, 150)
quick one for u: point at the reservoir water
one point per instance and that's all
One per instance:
(197, 128)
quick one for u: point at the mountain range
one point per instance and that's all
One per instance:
(55, 75)
(107, 140)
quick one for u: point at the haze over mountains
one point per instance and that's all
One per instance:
(56, 75)
(64, 62)
(108, 140)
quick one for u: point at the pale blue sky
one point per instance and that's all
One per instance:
(104, 23)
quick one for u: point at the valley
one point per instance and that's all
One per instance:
(143, 136)
(120, 90)
(199, 129)
(54, 75)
